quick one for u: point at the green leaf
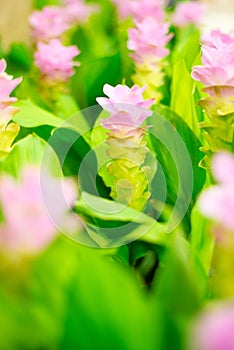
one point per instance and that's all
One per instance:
(110, 223)
(202, 240)
(26, 151)
(177, 288)
(41, 3)
(20, 57)
(68, 108)
(109, 210)
(91, 77)
(34, 297)
(182, 100)
(187, 46)
(106, 300)
(178, 154)
(30, 115)
(73, 151)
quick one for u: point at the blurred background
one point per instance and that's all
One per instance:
(14, 18)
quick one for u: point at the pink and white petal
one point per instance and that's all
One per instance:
(210, 76)
(223, 167)
(2, 66)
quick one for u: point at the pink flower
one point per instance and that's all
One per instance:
(27, 229)
(216, 39)
(140, 9)
(214, 329)
(148, 40)
(217, 202)
(49, 23)
(55, 60)
(218, 61)
(124, 8)
(127, 107)
(187, 13)
(147, 8)
(77, 11)
(7, 85)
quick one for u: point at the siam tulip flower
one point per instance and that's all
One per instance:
(217, 38)
(126, 149)
(123, 7)
(217, 202)
(27, 228)
(147, 8)
(214, 328)
(188, 13)
(217, 75)
(55, 61)
(8, 132)
(7, 85)
(148, 41)
(218, 61)
(77, 11)
(140, 9)
(49, 23)
(127, 107)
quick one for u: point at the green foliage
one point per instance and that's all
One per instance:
(202, 240)
(187, 46)
(108, 309)
(109, 223)
(182, 100)
(31, 116)
(145, 287)
(19, 59)
(29, 150)
(177, 151)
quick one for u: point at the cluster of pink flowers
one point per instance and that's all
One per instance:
(55, 61)
(217, 73)
(27, 228)
(217, 59)
(77, 11)
(52, 21)
(140, 9)
(7, 85)
(127, 108)
(214, 329)
(190, 12)
(217, 202)
(148, 40)
(47, 24)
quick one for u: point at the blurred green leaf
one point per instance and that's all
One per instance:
(106, 302)
(202, 240)
(41, 3)
(19, 57)
(176, 287)
(34, 297)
